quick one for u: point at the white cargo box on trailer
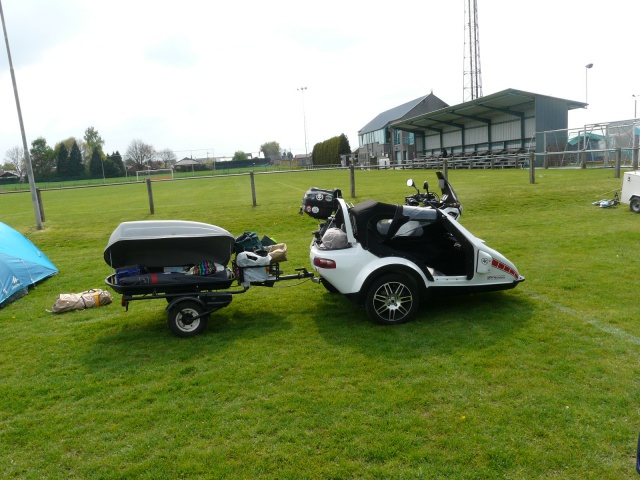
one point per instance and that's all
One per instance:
(631, 190)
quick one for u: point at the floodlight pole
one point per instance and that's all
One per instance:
(27, 157)
(304, 119)
(586, 79)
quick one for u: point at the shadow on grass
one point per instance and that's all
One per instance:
(148, 340)
(447, 324)
(443, 324)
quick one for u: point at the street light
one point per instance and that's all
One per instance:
(304, 119)
(635, 106)
(27, 157)
(586, 71)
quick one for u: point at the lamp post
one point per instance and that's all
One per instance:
(635, 106)
(27, 157)
(586, 77)
(304, 119)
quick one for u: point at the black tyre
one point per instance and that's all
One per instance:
(181, 319)
(330, 288)
(393, 299)
(634, 205)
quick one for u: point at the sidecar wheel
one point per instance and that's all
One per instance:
(393, 299)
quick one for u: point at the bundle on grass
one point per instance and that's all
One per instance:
(79, 301)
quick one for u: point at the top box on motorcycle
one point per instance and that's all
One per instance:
(320, 203)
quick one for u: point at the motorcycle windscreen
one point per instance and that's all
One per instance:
(446, 189)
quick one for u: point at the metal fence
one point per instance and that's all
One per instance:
(599, 144)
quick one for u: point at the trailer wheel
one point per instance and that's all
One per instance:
(393, 299)
(181, 321)
(634, 205)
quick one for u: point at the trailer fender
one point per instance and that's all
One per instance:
(178, 300)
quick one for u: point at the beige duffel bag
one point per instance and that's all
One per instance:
(80, 301)
(278, 252)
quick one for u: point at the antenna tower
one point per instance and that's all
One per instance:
(472, 71)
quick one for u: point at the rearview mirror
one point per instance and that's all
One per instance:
(410, 183)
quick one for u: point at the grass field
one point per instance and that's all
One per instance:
(537, 382)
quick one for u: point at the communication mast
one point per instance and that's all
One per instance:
(472, 71)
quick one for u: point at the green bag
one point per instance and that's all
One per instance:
(248, 242)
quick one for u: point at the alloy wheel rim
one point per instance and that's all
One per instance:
(393, 301)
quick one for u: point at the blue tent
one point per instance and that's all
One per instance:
(21, 264)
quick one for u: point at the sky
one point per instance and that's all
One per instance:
(209, 78)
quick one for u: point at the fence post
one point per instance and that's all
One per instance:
(532, 168)
(618, 161)
(151, 207)
(445, 167)
(583, 161)
(546, 160)
(39, 197)
(253, 188)
(635, 158)
(352, 178)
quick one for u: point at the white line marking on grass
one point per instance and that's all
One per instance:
(291, 186)
(590, 320)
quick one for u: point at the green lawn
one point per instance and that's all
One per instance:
(293, 382)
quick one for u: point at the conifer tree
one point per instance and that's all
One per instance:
(117, 161)
(76, 168)
(96, 169)
(62, 158)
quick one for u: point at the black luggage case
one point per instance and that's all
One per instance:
(319, 203)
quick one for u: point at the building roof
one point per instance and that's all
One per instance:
(415, 107)
(506, 101)
(188, 161)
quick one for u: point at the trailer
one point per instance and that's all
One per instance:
(631, 190)
(188, 264)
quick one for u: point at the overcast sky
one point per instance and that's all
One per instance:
(211, 78)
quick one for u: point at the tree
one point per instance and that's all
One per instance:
(111, 170)
(344, 147)
(240, 155)
(167, 157)
(96, 164)
(114, 166)
(140, 154)
(15, 157)
(76, 168)
(69, 143)
(271, 150)
(92, 141)
(43, 158)
(329, 151)
(62, 160)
